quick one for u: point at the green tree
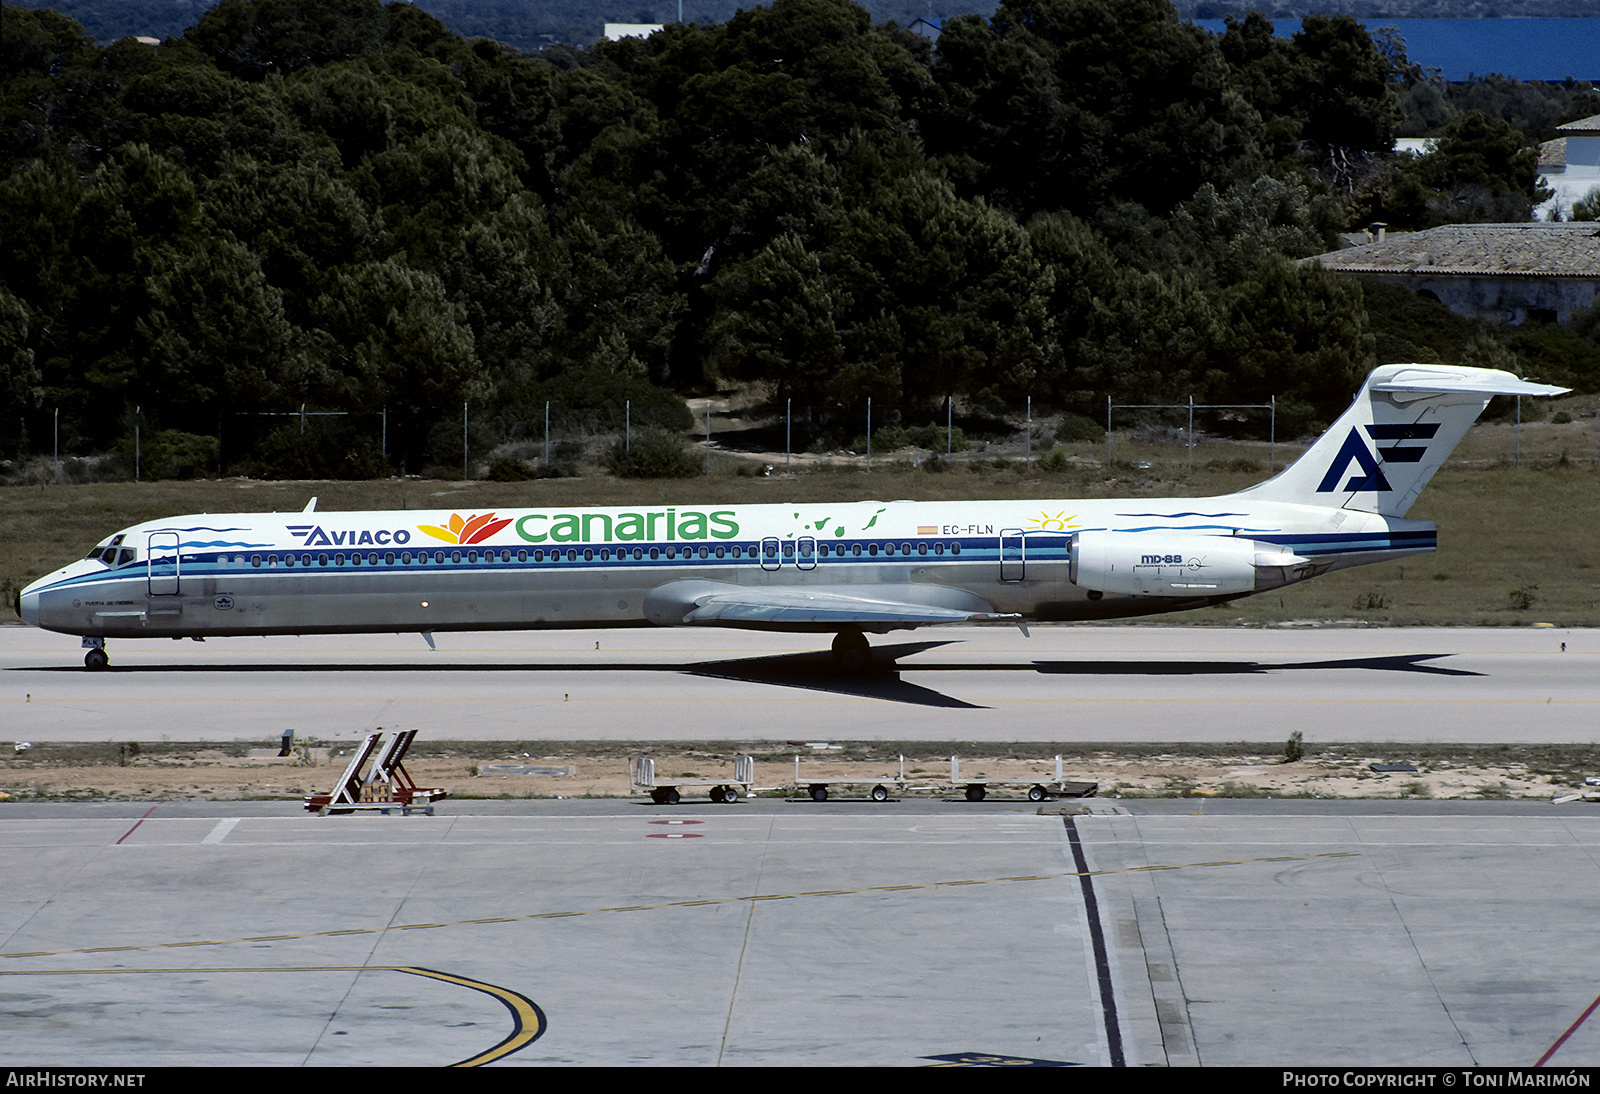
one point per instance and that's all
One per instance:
(1481, 170)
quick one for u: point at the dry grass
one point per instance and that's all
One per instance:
(199, 771)
(1517, 544)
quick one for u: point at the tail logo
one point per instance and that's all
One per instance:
(1370, 476)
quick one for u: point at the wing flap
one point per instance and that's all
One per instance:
(817, 607)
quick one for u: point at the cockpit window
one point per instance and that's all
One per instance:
(112, 556)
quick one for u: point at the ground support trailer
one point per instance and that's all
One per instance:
(642, 776)
(1038, 789)
(818, 789)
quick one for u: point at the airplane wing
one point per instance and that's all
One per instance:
(876, 607)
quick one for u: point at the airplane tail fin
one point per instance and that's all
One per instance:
(1382, 451)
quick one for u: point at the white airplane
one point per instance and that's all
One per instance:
(848, 568)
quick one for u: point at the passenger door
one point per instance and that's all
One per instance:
(162, 563)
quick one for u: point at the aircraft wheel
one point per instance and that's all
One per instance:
(851, 652)
(1036, 794)
(880, 794)
(96, 660)
(975, 793)
(819, 793)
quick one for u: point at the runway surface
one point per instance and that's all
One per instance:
(771, 933)
(961, 683)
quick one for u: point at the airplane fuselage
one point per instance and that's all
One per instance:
(329, 572)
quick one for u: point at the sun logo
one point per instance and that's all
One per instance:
(474, 529)
(1059, 522)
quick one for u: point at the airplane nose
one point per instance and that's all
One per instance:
(28, 606)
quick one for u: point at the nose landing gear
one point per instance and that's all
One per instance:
(96, 658)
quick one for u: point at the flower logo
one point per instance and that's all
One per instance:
(474, 529)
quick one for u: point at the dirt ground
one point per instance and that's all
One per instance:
(213, 774)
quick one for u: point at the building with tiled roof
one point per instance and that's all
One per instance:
(1508, 273)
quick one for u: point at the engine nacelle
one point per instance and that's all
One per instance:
(1178, 564)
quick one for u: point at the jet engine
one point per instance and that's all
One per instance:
(1178, 564)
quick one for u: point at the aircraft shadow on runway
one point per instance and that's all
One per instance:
(1401, 662)
(815, 671)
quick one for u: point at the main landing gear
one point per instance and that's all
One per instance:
(851, 652)
(96, 658)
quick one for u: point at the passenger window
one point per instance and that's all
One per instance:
(388, 559)
(855, 549)
(588, 554)
(572, 554)
(922, 548)
(522, 556)
(322, 560)
(955, 548)
(655, 552)
(455, 556)
(255, 560)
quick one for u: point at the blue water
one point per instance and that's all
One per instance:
(1527, 49)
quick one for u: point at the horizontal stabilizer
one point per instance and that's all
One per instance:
(1441, 380)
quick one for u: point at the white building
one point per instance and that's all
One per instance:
(618, 31)
(1570, 165)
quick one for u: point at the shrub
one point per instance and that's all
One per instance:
(286, 453)
(1076, 429)
(1294, 748)
(173, 454)
(653, 455)
(936, 438)
(1056, 460)
(510, 469)
(1588, 206)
